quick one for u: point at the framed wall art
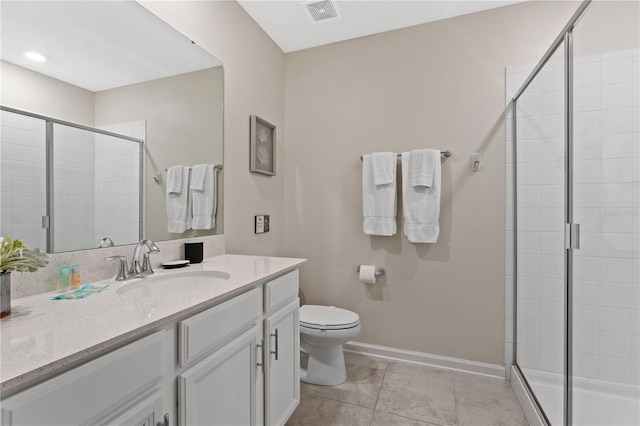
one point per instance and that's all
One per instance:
(263, 147)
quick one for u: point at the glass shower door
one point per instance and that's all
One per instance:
(577, 190)
(97, 187)
(540, 250)
(606, 198)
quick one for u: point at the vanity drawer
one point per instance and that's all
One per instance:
(214, 327)
(280, 291)
(92, 392)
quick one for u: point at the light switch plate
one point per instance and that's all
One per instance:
(261, 223)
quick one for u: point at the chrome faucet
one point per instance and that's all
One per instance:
(105, 242)
(137, 269)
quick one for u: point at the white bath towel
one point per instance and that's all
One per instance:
(421, 204)
(198, 175)
(378, 201)
(179, 205)
(422, 166)
(205, 202)
(384, 170)
(174, 179)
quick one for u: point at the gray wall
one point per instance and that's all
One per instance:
(438, 85)
(190, 116)
(253, 84)
(34, 92)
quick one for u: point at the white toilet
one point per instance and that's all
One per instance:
(323, 331)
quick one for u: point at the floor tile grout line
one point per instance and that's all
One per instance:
(455, 398)
(339, 400)
(378, 396)
(458, 391)
(311, 388)
(409, 418)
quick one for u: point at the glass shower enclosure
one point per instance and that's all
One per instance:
(575, 207)
(67, 186)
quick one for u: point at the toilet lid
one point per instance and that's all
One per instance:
(327, 317)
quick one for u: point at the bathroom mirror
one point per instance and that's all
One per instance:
(112, 78)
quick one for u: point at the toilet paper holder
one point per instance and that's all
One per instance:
(379, 271)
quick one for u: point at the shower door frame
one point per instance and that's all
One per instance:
(572, 229)
(48, 222)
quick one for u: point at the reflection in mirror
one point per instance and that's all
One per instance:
(120, 98)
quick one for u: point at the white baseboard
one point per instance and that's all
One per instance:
(534, 417)
(428, 359)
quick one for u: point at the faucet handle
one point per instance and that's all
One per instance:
(153, 248)
(123, 272)
(146, 263)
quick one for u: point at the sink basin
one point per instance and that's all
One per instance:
(173, 284)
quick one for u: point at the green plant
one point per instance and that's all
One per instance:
(16, 257)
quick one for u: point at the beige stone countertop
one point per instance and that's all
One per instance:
(43, 335)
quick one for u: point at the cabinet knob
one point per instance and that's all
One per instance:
(276, 351)
(165, 421)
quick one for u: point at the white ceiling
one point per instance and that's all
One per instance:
(97, 45)
(286, 22)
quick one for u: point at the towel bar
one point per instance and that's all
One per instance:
(158, 176)
(446, 153)
(216, 167)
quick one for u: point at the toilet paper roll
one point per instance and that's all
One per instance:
(368, 274)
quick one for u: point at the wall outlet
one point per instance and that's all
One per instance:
(261, 223)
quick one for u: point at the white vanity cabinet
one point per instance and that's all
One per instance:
(235, 363)
(223, 388)
(282, 335)
(253, 378)
(116, 385)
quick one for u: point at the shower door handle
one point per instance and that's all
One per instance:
(572, 236)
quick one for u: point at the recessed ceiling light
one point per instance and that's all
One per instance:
(35, 56)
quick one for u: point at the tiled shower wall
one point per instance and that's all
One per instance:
(117, 189)
(86, 208)
(22, 178)
(74, 175)
(606, 289)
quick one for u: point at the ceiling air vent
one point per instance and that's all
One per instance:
(321, 10)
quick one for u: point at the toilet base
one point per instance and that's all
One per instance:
(325, 366)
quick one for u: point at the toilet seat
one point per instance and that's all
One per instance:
(327, 318)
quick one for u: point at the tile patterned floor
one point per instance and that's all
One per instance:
(380, 392)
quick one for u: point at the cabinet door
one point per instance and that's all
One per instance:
(283, 363)
(222, 388)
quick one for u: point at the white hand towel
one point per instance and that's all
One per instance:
(422, 166)
(378, 201)
(198, 175)
(421, 204)
(205, 201)
(174, 179)
(383, 164)
(179, 205)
